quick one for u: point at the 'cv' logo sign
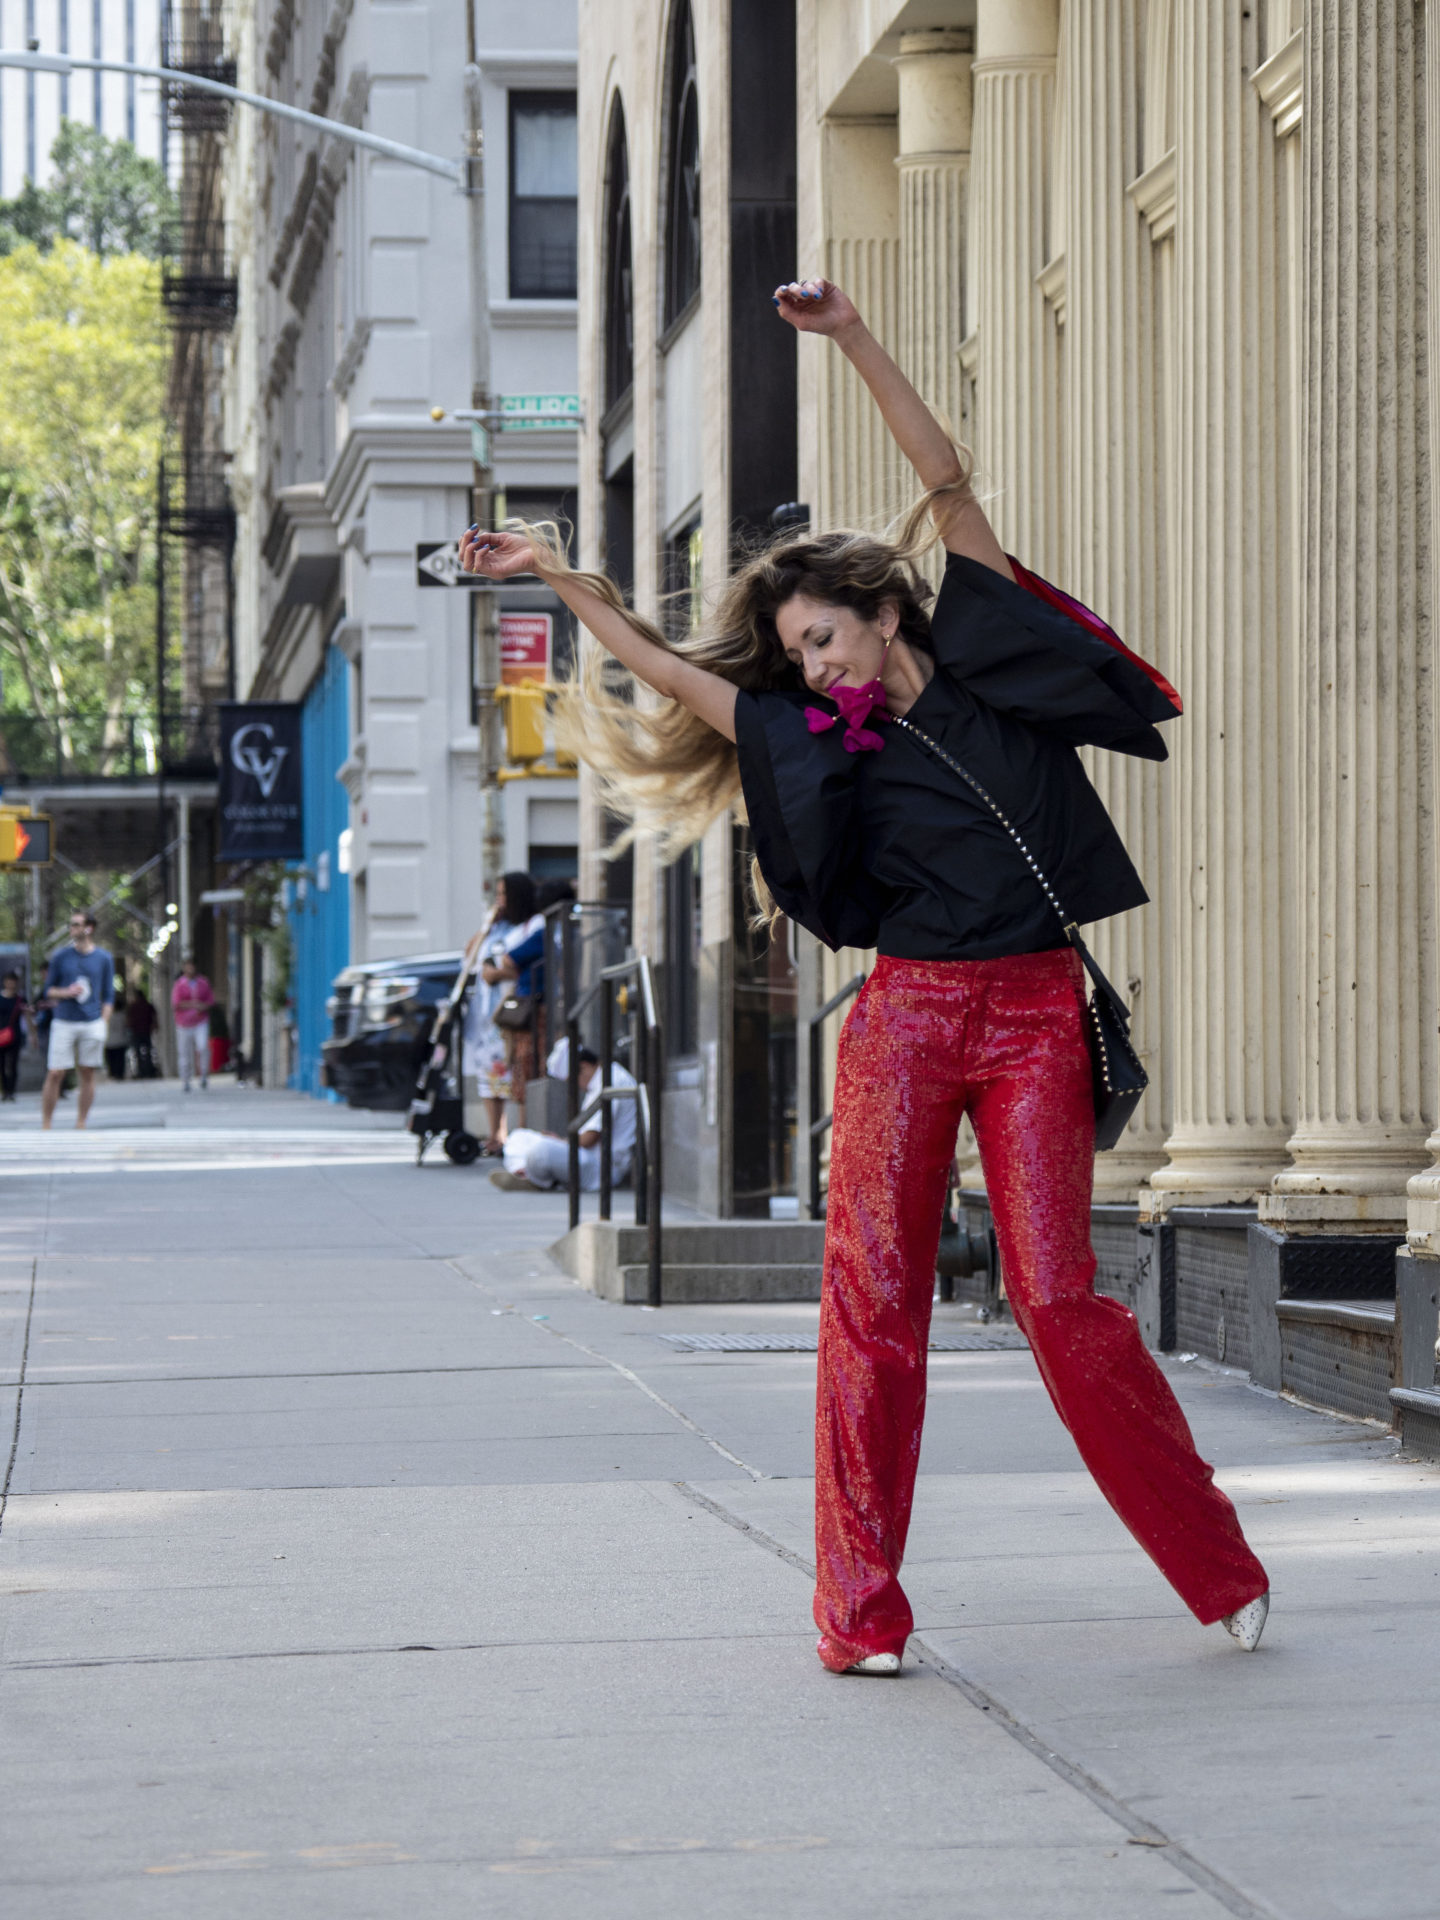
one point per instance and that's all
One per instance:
(253, 750)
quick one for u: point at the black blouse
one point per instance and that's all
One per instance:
(890, 849)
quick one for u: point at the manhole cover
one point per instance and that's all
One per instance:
(991, 1340)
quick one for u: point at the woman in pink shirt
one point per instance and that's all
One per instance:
(190, 1002)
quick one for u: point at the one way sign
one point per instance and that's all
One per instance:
(437, 564)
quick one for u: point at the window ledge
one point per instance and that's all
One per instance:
(533, 313)
(682, 320)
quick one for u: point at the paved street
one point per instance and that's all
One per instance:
(355, 1563)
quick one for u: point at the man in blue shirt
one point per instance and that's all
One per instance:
(80, 986)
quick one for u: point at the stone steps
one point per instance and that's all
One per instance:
(1417, 1416)
(1339, 1354)
(695, 1285)
(719, 1261)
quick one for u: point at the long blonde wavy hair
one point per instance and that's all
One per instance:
(660, 768)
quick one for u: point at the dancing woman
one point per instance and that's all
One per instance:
(824, 670)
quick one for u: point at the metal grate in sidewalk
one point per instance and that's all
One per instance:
(992, 1340)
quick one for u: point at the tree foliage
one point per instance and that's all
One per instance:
(82, 371)
(102, 193)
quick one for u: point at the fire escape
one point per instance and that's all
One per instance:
(199, 291)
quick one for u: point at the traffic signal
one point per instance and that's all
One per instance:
(524, 708)
(25, 840)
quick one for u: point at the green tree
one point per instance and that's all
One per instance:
(102, 193)
(82, 371)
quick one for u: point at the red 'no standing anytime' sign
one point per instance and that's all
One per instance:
(524, 647)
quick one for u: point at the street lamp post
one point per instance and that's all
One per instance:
(468, 174)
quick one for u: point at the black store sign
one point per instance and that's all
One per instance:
(261, 816)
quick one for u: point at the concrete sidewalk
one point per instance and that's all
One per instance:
(357, 1564)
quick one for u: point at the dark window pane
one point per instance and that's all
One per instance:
(542, 249)
(542, 196)
(619, 273)
(682, 235)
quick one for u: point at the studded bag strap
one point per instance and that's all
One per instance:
(1071, 928)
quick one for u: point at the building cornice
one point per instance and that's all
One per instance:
(1280, 83)
(290, 654)
(349, 637)
(419, 451)
(1013, 63)
(1154, 194)
(1051, 282)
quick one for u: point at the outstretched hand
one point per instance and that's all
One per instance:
(815, 306)
(496, 555)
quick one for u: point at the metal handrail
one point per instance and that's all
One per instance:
(821, 1123)
(647, 1062)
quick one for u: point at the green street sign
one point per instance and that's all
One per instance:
(557, 412)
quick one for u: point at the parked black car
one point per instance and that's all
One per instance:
(381, 1014)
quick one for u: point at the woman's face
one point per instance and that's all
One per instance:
(502, 905)
(834, 646)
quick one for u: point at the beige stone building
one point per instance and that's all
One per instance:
(1164, 262)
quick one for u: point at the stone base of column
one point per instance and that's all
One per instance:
(1223, 1167)
(1349, 1177)
(1121, 1175)
(1422, 1207)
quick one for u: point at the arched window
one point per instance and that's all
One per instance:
(619, 267)
(682, 212)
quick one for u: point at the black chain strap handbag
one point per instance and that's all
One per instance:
(1120, 1080)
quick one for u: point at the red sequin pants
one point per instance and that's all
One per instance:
(1004, 1041)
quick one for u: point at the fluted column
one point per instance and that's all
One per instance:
(859, 480)
(934, 163)
(1016, 373)
(1368, 881)
(1112, 502)
(1231, 1017)
(1422, 1212)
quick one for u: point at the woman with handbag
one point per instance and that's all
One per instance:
(912, 784)
(484, 1053)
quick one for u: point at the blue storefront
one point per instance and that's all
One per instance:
(320, 901)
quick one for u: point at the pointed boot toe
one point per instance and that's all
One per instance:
(1247, 1623)
(879, 1663)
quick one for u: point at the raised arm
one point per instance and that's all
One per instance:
(498, 556)
(819, 306)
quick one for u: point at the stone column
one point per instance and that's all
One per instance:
(857, 469)
(1017, 348)
(1112, 505)
(1231, 1020)
(934, 162)
(1368, 909)
(1423, 1192)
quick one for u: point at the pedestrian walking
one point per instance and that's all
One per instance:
(912, 785)
(484, 1054)
(117, 1034)
(191, 999)
(142, 1019)
(516, 1011)
(13, 1015)
(80, 991)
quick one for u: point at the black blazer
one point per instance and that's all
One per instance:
(890, 849)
